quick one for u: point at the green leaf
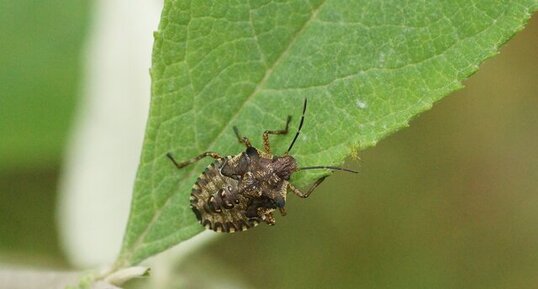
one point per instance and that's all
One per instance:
(366, 67)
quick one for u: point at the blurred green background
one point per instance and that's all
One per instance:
(40, 77)
(450, 202)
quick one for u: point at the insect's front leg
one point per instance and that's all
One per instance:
(312, 188)
(266, 134)
(193, 160)
(244, 140)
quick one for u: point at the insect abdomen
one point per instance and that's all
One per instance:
(215, 202)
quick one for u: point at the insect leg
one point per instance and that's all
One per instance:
(268, 217)
(266, 134)
(312, 188)
(193, 160)
(244, 140)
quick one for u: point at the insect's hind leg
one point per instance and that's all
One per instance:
(193, 160)
(266, 134)
(244, 140)
(312, 188)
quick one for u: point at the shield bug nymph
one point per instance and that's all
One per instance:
(235, 193)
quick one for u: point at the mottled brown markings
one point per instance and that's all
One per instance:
(217, 226)
(197, 213)
(235, 193)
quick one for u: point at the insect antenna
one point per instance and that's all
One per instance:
(299, 129)
(329, 168)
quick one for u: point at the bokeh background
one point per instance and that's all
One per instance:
(40, 76)
(450, 202)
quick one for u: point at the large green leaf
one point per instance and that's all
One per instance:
(366, 67)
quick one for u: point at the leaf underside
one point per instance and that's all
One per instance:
(366, 67)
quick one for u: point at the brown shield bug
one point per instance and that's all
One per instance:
(235, 193)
